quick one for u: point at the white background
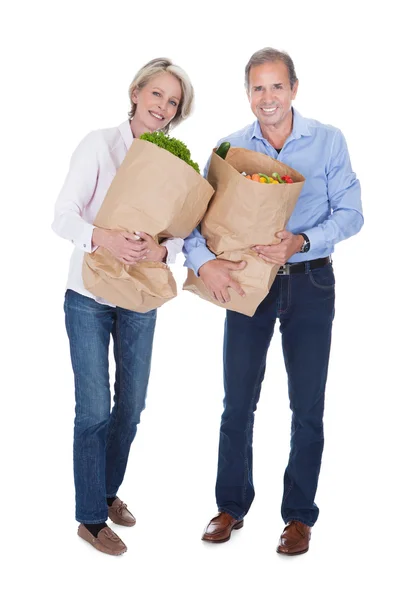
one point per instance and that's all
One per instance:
(66, 68)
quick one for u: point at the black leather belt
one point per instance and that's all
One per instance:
(303, 267)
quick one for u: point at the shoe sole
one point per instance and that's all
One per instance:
(239, 525)
(102, 549)
(292, 553)
(120, 522)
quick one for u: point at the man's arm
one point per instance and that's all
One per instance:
(77, 191)
(344, 193)
(196, 252)
(345, 220)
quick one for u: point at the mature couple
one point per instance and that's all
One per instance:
(301, 298)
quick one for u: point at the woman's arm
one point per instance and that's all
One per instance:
(76, 193)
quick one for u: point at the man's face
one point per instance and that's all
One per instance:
(270, 94)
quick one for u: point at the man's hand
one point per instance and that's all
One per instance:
(121, 244)
(155, 252)
(215, 274)
(279, 254)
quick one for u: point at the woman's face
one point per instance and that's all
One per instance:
(157, 102)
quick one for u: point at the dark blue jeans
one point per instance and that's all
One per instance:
(102, 439)
(304, 305)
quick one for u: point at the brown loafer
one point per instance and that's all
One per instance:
(294, 539)
(220, 527)
(119, 514)
(106, 541)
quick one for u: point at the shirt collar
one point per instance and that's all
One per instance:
(126, 133)
(257, 132)
(299, 127)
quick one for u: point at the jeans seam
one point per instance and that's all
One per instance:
(246, 465)
(280, 295)
(283, 312)
(119, 345)
(288, 492)
(72, 352)
(119, 369)
(246, 470)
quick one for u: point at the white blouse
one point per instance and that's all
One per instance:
(92, 169)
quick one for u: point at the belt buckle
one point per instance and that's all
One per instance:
(284, 269)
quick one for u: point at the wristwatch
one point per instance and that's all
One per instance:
(306, 244)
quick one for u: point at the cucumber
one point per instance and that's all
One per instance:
(223, 149)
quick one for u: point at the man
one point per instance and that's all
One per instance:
(302, 298)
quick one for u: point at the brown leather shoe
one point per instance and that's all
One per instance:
(106, 541)
(220, 527)
(294, 539)
(119, 514)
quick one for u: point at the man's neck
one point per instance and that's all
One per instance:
(277, 135)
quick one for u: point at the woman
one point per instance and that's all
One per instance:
(161, 97)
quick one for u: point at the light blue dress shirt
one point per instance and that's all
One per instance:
(329, 207)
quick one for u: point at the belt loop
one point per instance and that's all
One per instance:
(307, 267)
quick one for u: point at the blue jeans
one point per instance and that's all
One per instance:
(304, 305)
(102, 439)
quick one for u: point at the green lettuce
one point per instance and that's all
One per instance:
(171, 144)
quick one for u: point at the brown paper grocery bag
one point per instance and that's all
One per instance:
(155, 192)
(244, 213)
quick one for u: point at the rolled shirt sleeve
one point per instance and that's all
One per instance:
(174, 247)
(196, 252)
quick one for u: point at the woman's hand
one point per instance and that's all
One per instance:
(122, 245)
(155, 252)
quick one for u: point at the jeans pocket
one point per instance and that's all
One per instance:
(323, 278)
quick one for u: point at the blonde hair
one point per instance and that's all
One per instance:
(165, 65)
